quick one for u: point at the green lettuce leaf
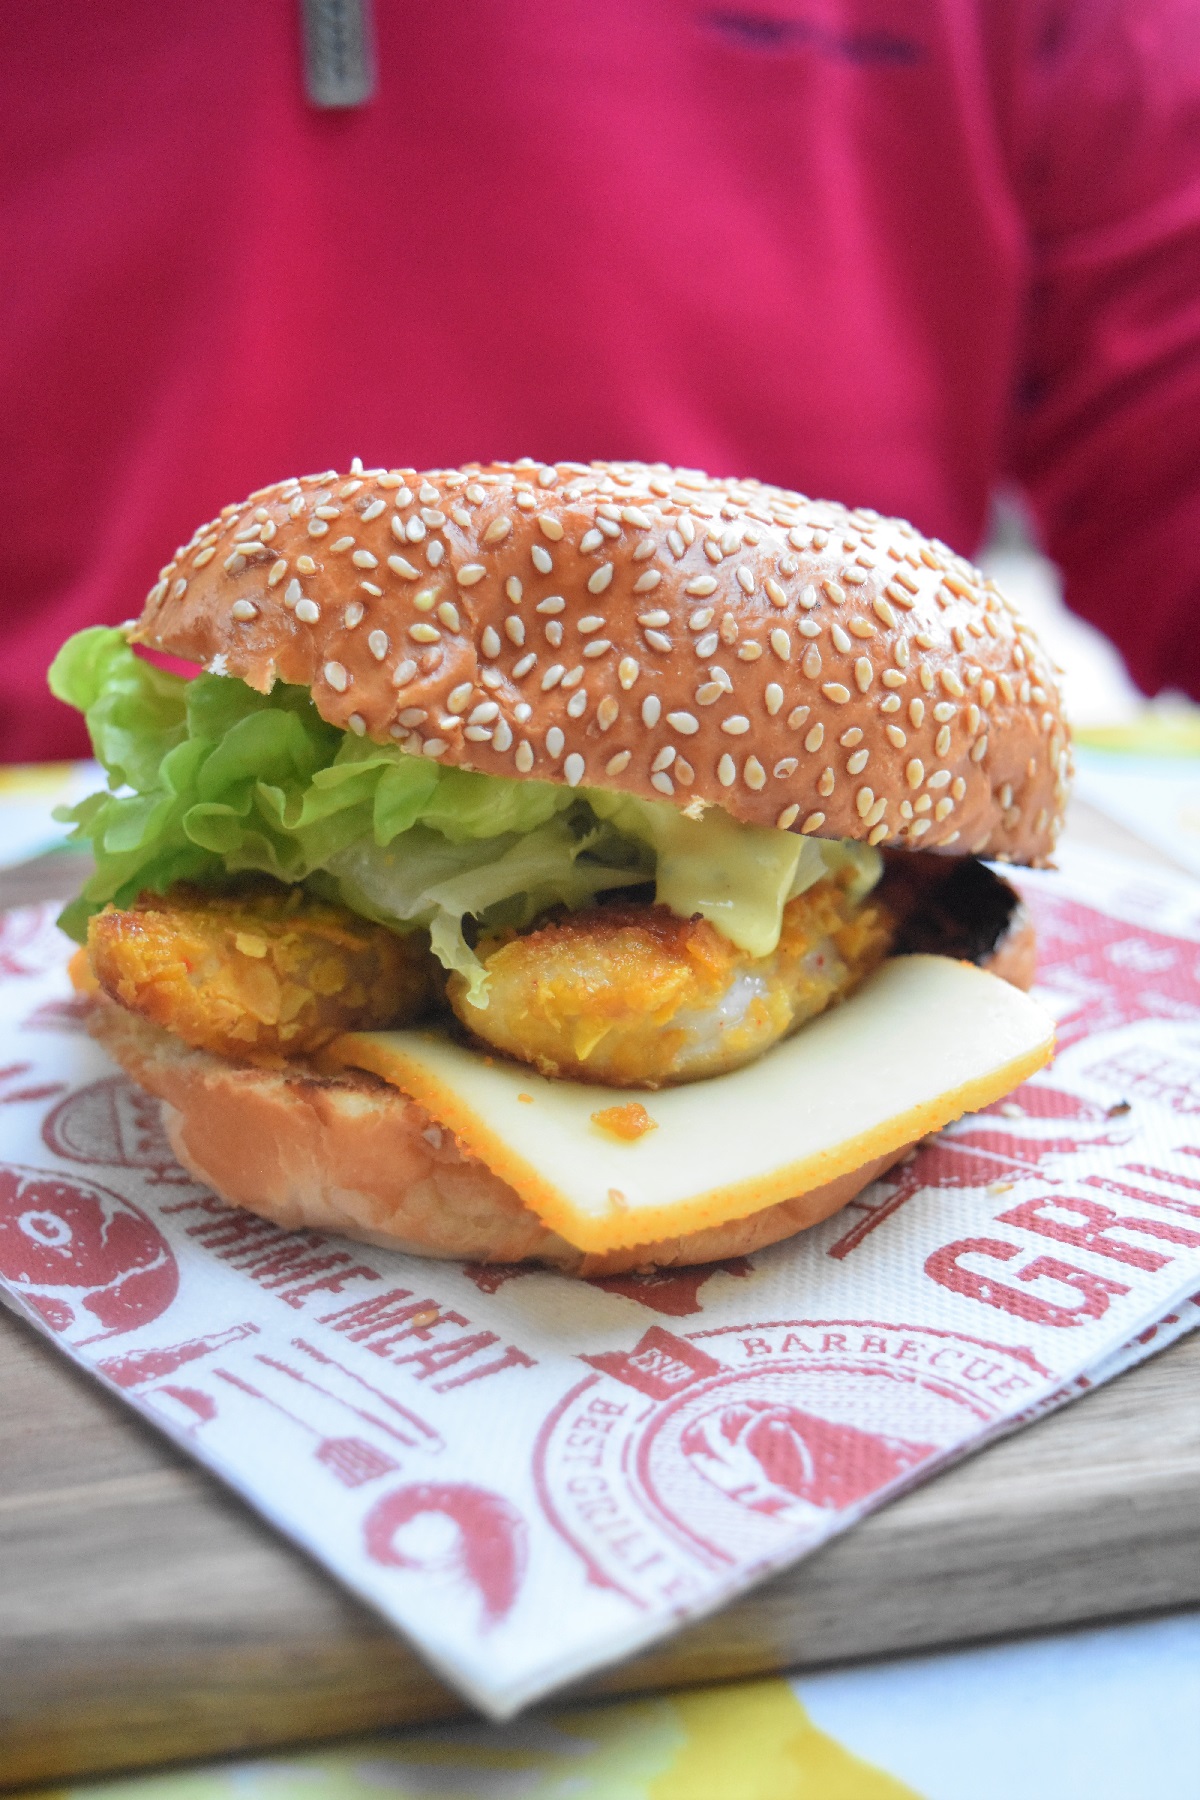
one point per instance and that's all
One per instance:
(208, 778)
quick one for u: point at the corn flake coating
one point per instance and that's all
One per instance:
(632, 996)
(260, 975)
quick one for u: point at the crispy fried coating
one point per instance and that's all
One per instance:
(632, 996)
(260, 975)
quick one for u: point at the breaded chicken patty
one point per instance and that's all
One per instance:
(259, 975)
(632, 996)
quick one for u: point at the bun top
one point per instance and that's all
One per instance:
(643, 628)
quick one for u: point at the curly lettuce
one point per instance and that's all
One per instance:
(207, 779)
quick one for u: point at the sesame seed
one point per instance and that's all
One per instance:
(840, 640)
(808, 598)
(833, 690)
(413, 716)
(424, 601)
(591, 540)
(502, 736)
(205, 556)
(421, 633)
(700, 618)
(773, 695)
(477, 734)
(864, 670)
(675, 544)
(573, 769)
(974, 717)
(404, 672)
(701, 586)
(709, 692)
(243, 610)
(662, 783)
(377, 644)
(555, 742)
(514, 630)
(357, 724)
(919, 827)
(616, 765)
(574, 677)
(276, 574)
(813, 823)
(353, 615)
(753, 774)
(712, 550)
(812, 662)
(826, 784)
(593, 622)
(307, 611)
(459, 698)
(233, 565)
(597, 647)
(627, 672)
(877, 834)
(958, 787)
(896, 737)
(663, 760)
(514, 590)
(523, 757)
(798, 717)
(706, 645)
(469, 574)
(490, 641)
(553, 676)
(647, 582)
(337, 676)
(543, 562)
(340, 544)
(857, 763)
(727, 771)
(685, 723)
(850, 738)
(600, 578)
(373, 511)
(368, 587)
(553, 603)
(736, 725)
(815, 738)
(835, 592)
(651, 711)
(914, 772)
(861, 628)
(951, 683)
(864, 800)
(658, 640)
(499, 528)
(484, 713)
(656, 619)
(460, 515)
(447, 612)
(607, 712)
(979, 748)
(941, 742)
(789, 815)
(745, 578)
(925, 676)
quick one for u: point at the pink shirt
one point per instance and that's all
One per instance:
(888, 251)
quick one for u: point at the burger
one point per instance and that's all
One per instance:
(590, 864)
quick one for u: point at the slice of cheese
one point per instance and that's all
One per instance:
(923, 1041)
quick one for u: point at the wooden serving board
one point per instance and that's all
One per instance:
(147, 1616)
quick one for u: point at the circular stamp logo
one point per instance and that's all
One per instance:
(116, 1125)
(688, 1456)
(90, 1263)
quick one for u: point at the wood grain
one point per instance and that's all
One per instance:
(147, 1616)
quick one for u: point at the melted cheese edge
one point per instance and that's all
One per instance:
(923, 1041)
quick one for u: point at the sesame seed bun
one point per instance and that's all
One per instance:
(644, 629)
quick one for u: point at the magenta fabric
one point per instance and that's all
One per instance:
(888, 251)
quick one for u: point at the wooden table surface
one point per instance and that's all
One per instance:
(148, 1616)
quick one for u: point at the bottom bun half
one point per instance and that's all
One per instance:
(351, 1155)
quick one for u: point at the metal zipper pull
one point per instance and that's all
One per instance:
(339, 52)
